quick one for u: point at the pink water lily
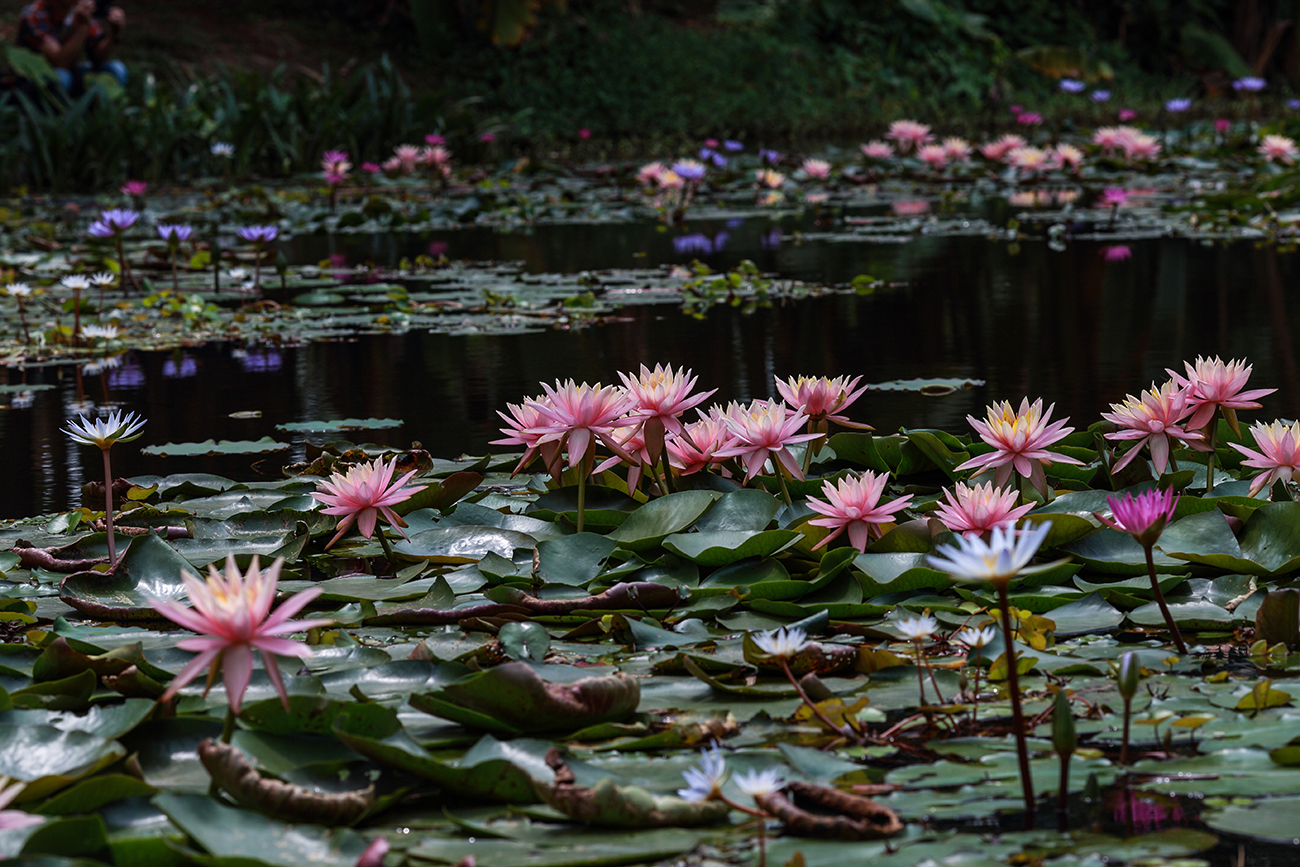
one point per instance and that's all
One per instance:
(524, 425)
(1152, 419)
(576, 416)
(854, 505)
(696, 447)
(363, 494)
(909, 134)
(973, 510)
(1278, 147)
(998, 149)
(1212, 385)
(765, 429)
(661, 396)
(1143, 517)
(1020, 440)
(822, 399)
(233, 613)
(1279, 455)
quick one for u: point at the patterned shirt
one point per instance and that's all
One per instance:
(37, 23)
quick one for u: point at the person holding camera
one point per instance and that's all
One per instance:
(63, 30)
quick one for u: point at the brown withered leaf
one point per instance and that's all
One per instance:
(617, 806)
(276, 798)
(828, 813)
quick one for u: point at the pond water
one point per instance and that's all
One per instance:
(1068, 325)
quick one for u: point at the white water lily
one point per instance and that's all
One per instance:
(783, 642)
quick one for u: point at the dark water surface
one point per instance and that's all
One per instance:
(1067, 326)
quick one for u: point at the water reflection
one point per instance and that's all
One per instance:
(1065, 326)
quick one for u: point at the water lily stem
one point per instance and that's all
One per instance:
(1164, 608)
(108, 511)
(176, 280)
(812, 705)
(1209, 464)
(668, 472)
(1123, 748)
(975, 702)
(126, 266)
(387, 546)
(1063, 793)
(780, 477)
(1017, 717)
(227, 732)
(920, 668)
(582, 492)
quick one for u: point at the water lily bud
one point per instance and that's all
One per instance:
(1129, 669)
(1063, 737)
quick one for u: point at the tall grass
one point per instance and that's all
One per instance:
(163, 129)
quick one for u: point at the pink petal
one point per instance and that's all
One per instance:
(236, 671)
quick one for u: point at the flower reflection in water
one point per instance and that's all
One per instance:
(1145, 813)
(181, 368)
(128, 376)
(698, 243)
(259, 360)
(910, 207)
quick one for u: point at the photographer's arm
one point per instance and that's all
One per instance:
(62, 55)
(103, 49)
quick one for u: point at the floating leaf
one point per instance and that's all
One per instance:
(340, 424)
(210, 447)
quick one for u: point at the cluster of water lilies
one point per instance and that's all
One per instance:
(641, 426)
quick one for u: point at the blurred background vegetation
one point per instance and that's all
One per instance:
(283, 78)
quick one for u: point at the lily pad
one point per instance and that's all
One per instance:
(210, 447)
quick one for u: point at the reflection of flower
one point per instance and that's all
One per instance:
(260, 361)
(186, 368)
(976, 509)
(696, 242)
(1180, 104)
(1116, 252)
(363, 493)
(1280, 457)
(1144, 812)
(910, 207)
(1126, 114)
(854, 505)
(233, 612)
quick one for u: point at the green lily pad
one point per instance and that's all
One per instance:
(1274, 820)
(462, 544)
(48, 759)
(210, 447)
(340, 424)
(658, 519)
(233, 836)
(721, 548)
(149, 569)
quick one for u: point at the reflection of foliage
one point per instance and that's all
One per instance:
(744, 286)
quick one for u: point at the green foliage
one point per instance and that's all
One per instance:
(163, 129)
